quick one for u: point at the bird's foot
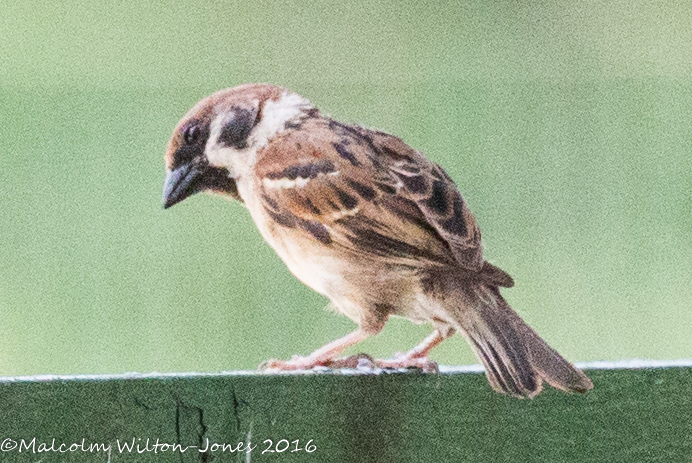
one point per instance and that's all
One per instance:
(407, 360)
(400, 360)
(358, 361)
(308, 363)
(322, 357)
(296, 363)
(361, 360)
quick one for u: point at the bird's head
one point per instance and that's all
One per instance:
(217, 141)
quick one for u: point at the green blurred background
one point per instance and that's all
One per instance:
(565, 124)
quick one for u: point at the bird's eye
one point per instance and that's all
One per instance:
(191, 135)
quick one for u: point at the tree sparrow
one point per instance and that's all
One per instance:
(365, 220)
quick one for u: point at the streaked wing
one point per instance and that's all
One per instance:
(369, 192)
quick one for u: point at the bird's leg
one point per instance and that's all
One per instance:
(321, 357)
(416, 357)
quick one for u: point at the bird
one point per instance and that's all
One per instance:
(366, 221)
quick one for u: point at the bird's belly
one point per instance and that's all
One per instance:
(318, 270)
(353, 283)
(310, 261)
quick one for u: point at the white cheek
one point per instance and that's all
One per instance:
(275, 115)
(238, 162)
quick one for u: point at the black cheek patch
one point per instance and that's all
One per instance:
(238, 127)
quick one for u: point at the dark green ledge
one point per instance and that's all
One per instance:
(641, 414)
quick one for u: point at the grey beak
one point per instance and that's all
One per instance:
(180, 183)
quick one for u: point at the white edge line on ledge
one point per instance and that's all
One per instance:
(444, 369)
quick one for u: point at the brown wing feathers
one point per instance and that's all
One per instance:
(364, 170)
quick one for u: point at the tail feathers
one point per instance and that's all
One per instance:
(516, 359)
(507, 364)
(552, 367)
(495, 276)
